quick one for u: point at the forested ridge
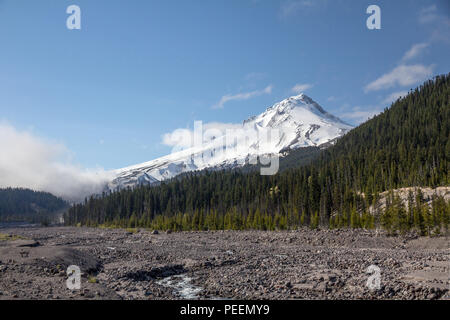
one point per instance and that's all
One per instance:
(17, 204)
(406, 145)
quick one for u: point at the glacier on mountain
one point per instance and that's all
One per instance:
(293, 123)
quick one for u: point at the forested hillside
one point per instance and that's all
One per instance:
(406, 145)
(27, 205)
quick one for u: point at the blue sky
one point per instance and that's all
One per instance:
(140, 69)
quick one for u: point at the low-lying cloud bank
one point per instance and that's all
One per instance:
(182, 138)
(28, 161)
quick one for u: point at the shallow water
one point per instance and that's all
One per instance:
(5, 225)
(182, 286)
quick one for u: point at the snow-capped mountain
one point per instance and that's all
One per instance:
(292, 123)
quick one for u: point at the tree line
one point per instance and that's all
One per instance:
(18, 204)
(406, 145)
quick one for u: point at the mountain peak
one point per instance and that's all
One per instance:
(297, 121)
(302, 108)
(302, 96)
(300, 100)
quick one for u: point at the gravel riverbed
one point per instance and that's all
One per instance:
(301, 264)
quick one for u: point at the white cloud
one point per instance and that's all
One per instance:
(241, 96)
(403, 75)
(28, 161)
(439, 21)
(299, 88)
(332, 99)
(428, 14)
(414, 51)
(359, 115)
(394, 96)
(291, 7)
(178, 137)
(184, 138)
(254, 76)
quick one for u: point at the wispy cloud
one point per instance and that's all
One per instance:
(415, 51)
(29, 161)
(431, 16)
(242, 96)
(292, 7)
(183, 138)
(359, 115)
(428, 14)
(394, 96)
(301, 87)
(254, 76)
(332, 99)
(403, 75)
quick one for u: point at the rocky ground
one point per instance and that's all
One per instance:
(303, 264)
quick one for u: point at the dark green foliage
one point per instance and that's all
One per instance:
(424, 218)
(293, 159)
(28, 205)
(299, 157)
(406, 145)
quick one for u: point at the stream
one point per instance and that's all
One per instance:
(182, 285)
